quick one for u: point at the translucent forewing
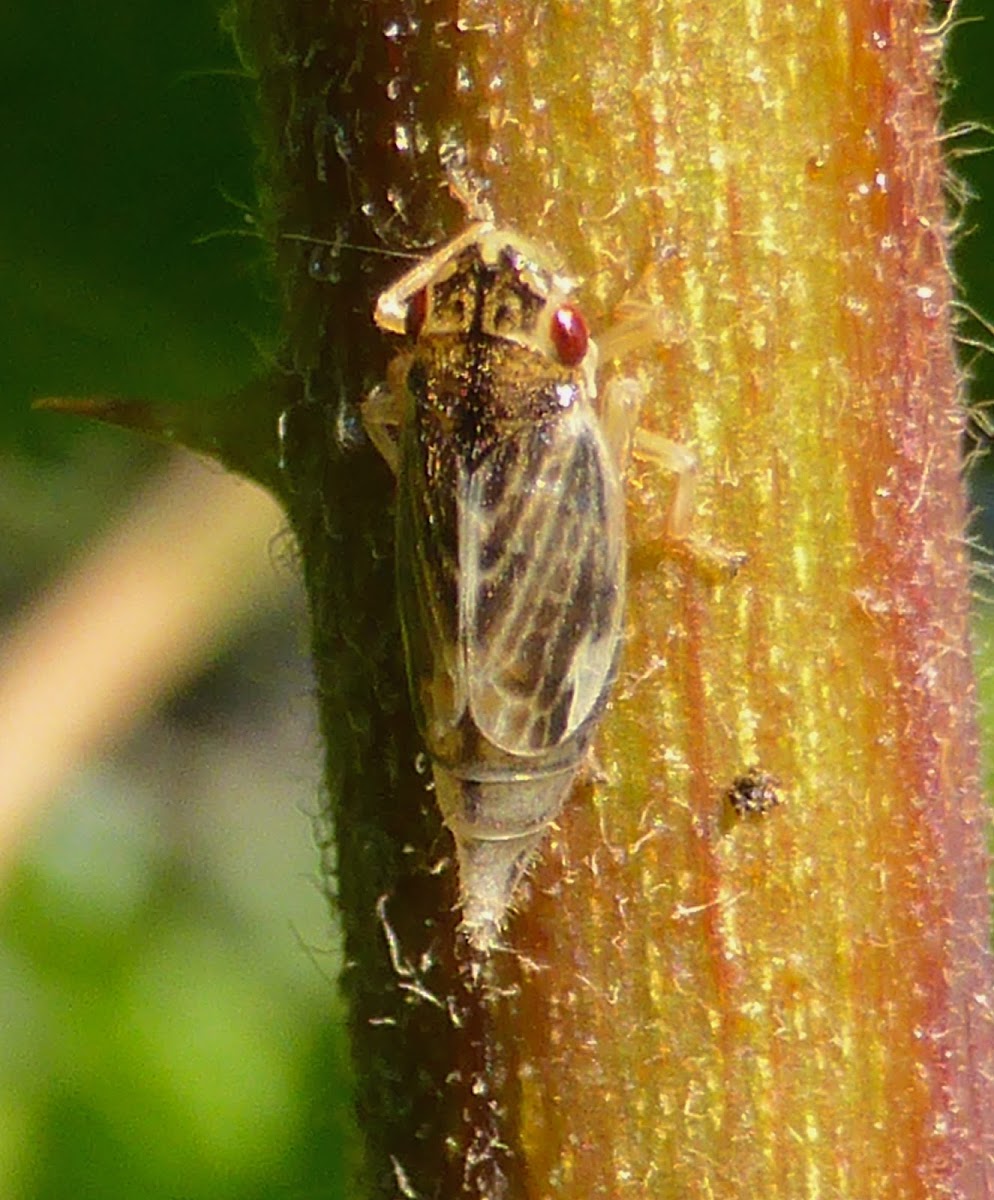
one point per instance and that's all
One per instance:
(540, 582)
(428, 583)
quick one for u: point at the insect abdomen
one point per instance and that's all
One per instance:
(498, 822)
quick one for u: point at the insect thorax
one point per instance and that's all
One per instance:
(470, 395)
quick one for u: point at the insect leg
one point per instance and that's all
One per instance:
(382, 415)
(621, 406)
(640, 324)
(680, 461)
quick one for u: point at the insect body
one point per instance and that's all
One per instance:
(510, 546)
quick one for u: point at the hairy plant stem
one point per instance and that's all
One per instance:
(784, 999)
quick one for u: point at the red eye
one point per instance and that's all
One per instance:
(417, 310)
(568, 331)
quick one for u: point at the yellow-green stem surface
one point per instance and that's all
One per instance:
(794, 1004)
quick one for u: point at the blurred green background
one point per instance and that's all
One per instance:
(170, 1025)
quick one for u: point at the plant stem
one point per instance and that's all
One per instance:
(789, 1003)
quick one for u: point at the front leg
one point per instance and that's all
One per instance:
(384, 411)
